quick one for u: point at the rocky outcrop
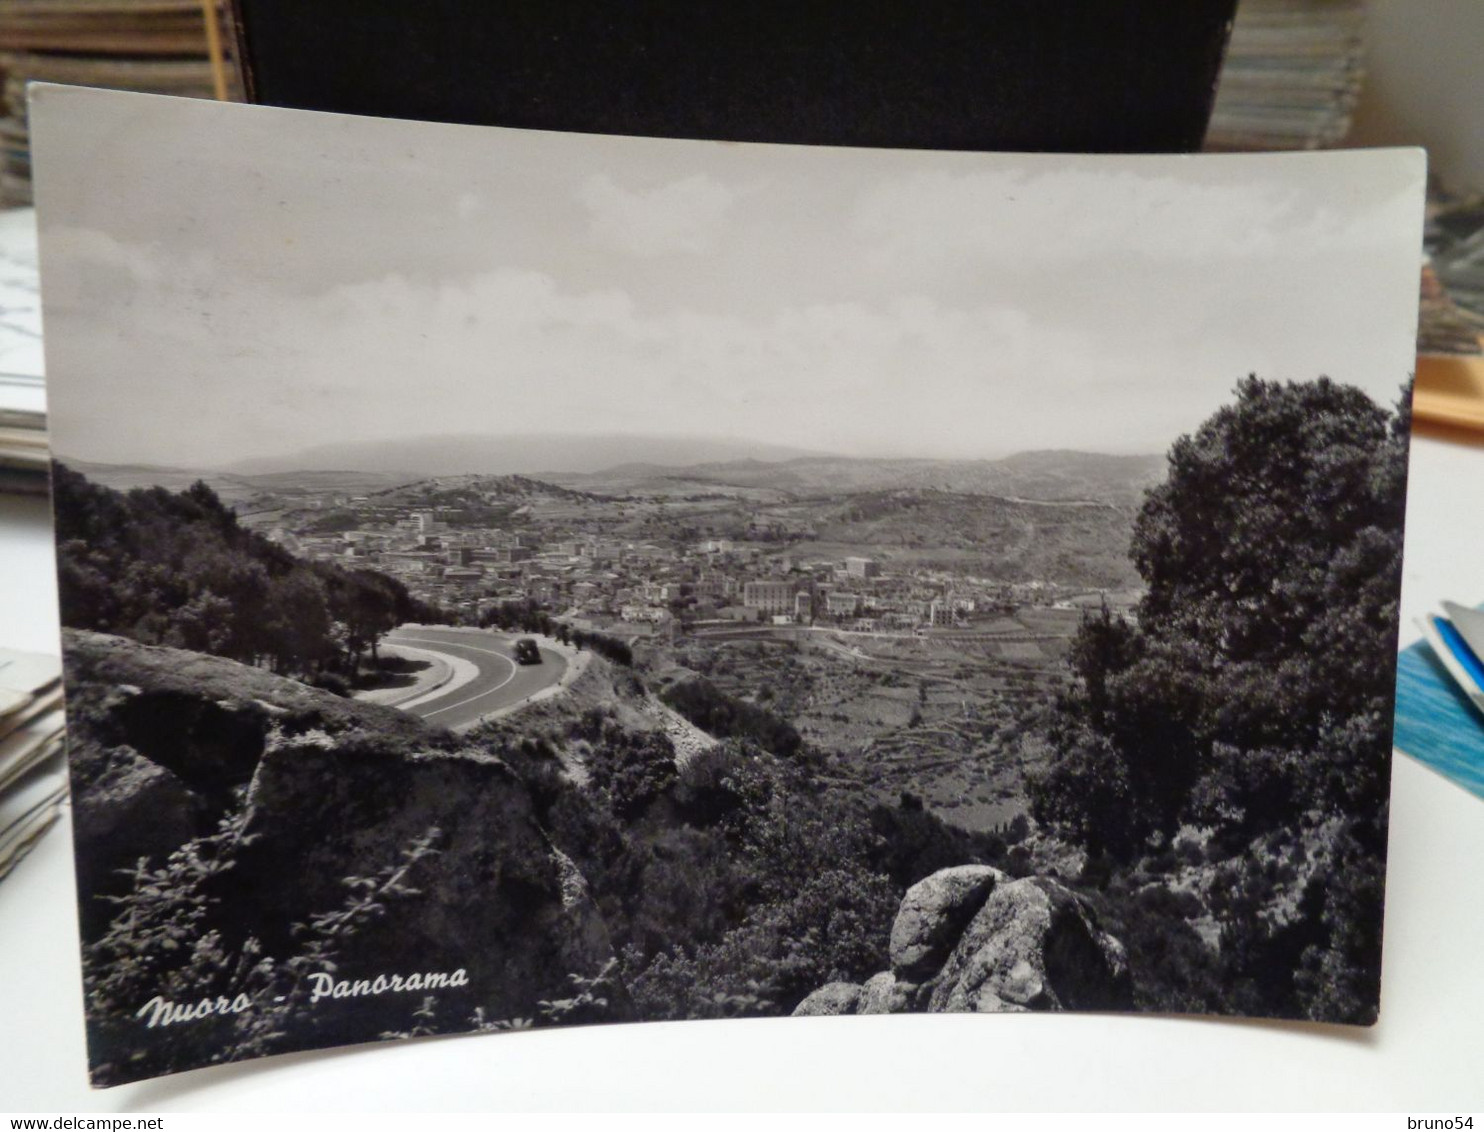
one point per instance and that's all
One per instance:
(832, 998)
(483, 889)
(933, 914)
(341, 837)
(971, 939)
(108, 675)
(162, 744)
(885, 994)
(125, 809)
(1034, 945)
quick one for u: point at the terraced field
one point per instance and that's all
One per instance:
(943, 718)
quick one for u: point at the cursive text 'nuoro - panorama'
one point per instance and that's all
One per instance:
(161, 1011)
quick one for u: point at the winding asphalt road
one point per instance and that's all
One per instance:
(500, 683)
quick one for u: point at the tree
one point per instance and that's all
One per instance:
(1236, 544)
(178, 569)
(202, 624)
(1251, 691)
(370, 604)
(298, 632)
(1086, 793)
(1272, 553)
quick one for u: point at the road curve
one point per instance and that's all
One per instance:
(500, 682)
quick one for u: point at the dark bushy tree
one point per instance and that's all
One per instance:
(178, 569)
(1250, 691)
(1272, 555)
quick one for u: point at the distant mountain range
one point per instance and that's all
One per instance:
(1043, 476)
(235, 487)
(532, 455)
(1053, 475)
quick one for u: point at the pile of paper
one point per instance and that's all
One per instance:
(23, 451)
(159, 46)
(1291, 77)
(1443, 328)
(1455, 241)
(33, 769)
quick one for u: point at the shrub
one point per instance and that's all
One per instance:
(332, 682)
(715, 712)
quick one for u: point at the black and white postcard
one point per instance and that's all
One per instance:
(518, 579)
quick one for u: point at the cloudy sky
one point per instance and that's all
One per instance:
(224, 282)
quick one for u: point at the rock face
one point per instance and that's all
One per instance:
(933, 914)
(161, 744)
(344, 838)
(832, 998)
(1034, 945)
(884, 994)
(970, 939)
(491, 895)
(125, 808)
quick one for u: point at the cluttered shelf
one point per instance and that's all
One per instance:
(1450, 362)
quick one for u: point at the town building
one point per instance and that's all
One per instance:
(803, 607)
(769, 598)
(842, 604)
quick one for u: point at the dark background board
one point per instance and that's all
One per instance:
(1033, 75)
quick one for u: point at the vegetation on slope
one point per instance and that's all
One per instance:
(179, 570)
(736, 882)
(714, 711)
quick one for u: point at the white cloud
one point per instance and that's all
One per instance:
(512, 351)
(938, 312)
(681, 216)
(1017, 219)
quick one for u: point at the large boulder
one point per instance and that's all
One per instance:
(932, 916)
(885, 994)
(832, 998)
(448, 846)
(211, 745)
(355, 840)
(166, 702)
(125, 809)
(162, 743)
(1034, 945)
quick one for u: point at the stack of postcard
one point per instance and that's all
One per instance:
(33, 772)
(1292, 75)
(148, 45)
(23, 451)
(1443, 328)
(1455, 243)
(23, 444)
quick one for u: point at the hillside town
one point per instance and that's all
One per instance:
(593, 579)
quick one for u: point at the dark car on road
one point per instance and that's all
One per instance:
(526, 651)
